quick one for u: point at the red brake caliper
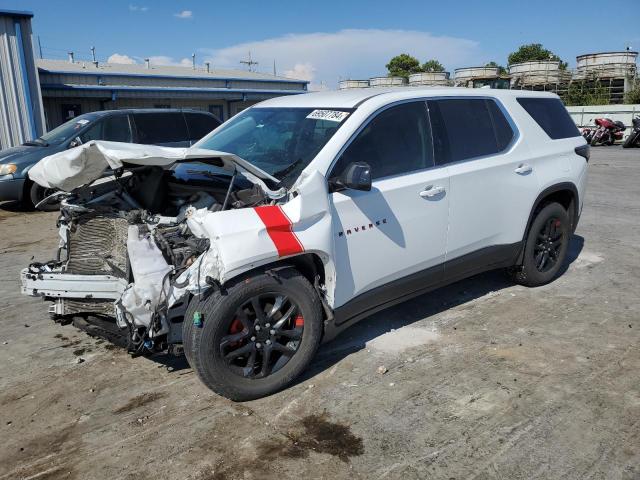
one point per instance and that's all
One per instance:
(236, 326)
(299, 321)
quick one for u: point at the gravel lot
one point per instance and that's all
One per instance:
(485, 379)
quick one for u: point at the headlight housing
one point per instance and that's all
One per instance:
(7, 169)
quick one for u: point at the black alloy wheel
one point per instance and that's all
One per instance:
(263, 335)
(256, 335)
(548, 245)
(545, 247)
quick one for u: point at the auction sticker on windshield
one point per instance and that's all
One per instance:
(330, 115)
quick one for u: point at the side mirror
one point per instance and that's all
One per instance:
(357, 176)
(76, 142)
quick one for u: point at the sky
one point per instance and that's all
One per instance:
(328, 40)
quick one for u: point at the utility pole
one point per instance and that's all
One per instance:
(39, 47)
(93, 54)
(274, 67)
(249, 63)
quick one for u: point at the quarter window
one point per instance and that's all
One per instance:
(552, 117)
(467, 128)
(396, 141)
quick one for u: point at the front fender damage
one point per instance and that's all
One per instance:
(242, 240)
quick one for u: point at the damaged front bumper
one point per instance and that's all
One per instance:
(70, 291)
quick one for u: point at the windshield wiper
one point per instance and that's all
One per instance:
(287, 170)
(38, 142)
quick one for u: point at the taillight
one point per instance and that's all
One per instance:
(584, 151)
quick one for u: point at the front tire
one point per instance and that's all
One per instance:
(257, 335)
(37, 194)
(545, 248)
(631, 140)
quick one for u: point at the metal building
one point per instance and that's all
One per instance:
(21, 113)
(70, 88)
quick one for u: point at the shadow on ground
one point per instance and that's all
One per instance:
(419, 308)
(16, 207)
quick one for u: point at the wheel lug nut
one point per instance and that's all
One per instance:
(268, 325)
(258, 345)
(268, 342)
(257, 328)
(272, 332)
(253, 339)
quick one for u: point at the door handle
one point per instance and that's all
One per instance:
(432, 191)
(523, 169)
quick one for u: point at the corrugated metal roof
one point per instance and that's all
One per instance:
(15, 13)
(86, 68)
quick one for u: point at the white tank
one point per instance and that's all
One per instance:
(429, 78)
(346, 84)
(387, 81)
(607, 64)
(466, 76)
(538, 73)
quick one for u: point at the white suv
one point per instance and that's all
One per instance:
(311, 213)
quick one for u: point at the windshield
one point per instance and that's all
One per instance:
(280, 141)
(67, 130)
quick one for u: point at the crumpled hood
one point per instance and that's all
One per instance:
(70, 169)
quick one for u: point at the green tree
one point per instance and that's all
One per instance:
(403, 65)
(586, 92)
(533, 52)
(432, 65)
(501, 69)
(633, 95)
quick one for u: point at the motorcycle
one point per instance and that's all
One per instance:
(607, 132)
(587, 133)
(633, 140)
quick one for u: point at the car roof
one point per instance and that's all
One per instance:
(150, 110)
(352, 98)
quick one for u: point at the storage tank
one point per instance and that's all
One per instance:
(538, 73)
(465, 76)
(607, 64)
(346, 84)
(387, 81)
(21, 112)
(429, 79)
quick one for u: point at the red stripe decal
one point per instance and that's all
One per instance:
(279, 230)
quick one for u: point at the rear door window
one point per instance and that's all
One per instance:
(200, 125)
(467, 128)
(551, 115)
(160, 128)
(396, 141)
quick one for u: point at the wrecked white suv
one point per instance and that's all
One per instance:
(314, 211)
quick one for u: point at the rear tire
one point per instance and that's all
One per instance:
(545, 247)
(231, 324)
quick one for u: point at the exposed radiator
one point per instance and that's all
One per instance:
(98, 246)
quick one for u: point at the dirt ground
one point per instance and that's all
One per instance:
(485, 379)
